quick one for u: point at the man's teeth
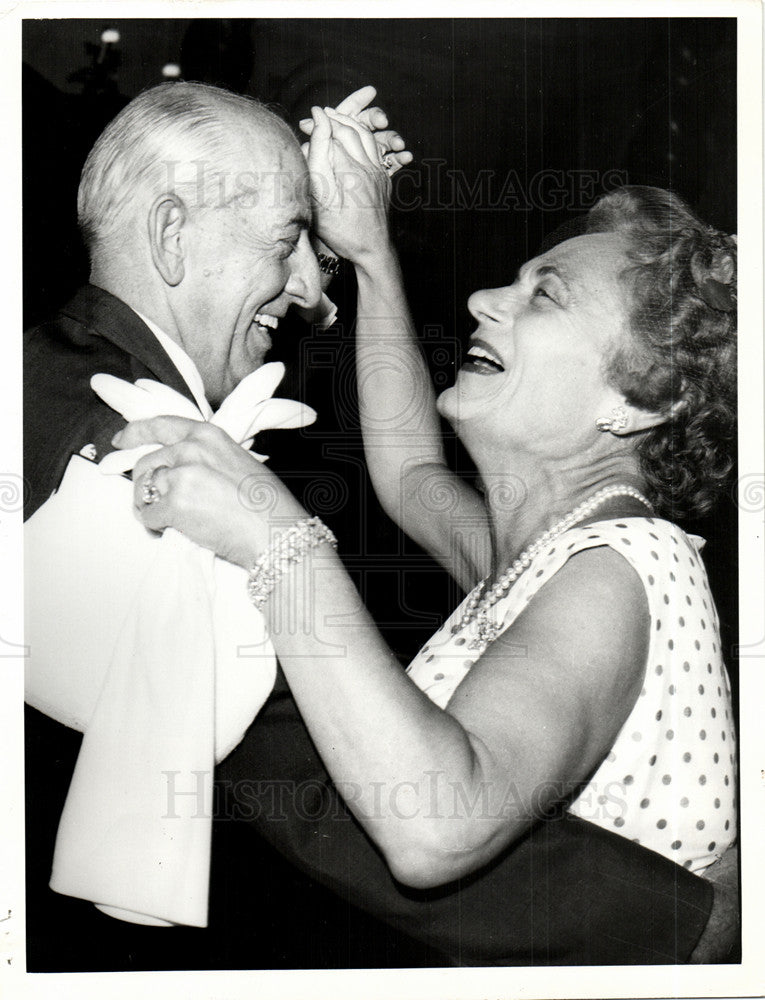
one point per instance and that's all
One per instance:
(479, 353)
(263, 319)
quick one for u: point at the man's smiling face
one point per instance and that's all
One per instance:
(245, 262)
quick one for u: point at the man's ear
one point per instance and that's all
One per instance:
(167, 217)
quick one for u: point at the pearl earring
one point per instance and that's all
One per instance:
(616, 422)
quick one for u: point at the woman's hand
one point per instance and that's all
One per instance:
(391, 145)
(350, 187)
(208, 487)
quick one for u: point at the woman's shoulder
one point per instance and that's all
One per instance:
(652, 537)
(665, 558)
(658, 552)
(657, 528)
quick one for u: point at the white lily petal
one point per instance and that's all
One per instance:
(117, 462)
(280, 413)
(262, 383)
(255, 421)
(169, 402)
(235, 412)
(132, 402)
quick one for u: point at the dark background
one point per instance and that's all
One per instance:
(516, 126)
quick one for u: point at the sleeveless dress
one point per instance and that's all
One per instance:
(668, 782)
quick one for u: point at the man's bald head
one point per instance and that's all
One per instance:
(195, 206)
(198, 142)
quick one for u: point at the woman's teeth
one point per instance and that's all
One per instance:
(481, 361)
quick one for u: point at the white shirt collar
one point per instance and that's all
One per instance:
(323, 316)
(188, 370)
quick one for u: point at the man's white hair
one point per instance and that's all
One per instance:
(178, 138)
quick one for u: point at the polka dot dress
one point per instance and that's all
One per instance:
(668, 781)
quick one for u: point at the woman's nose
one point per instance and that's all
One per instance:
(489, 304)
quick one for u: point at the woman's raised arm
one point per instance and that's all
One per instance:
(401, 429)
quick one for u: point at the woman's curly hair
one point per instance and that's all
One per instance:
(682, 356)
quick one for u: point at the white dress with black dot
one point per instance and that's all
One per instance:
(668, 781)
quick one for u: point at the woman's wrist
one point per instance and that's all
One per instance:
(270, 514)
(287, 549)
(320, 247)
(371, 264)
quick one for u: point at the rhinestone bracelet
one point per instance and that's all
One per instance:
(288, 548)
(328, 264)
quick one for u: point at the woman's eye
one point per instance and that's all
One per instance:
(542, 293)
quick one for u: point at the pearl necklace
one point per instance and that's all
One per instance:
(479, 604)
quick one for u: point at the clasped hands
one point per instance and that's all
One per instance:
(353, 111)
(352, 156)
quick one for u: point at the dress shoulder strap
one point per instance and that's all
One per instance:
(650, 545)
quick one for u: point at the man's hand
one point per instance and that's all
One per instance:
(390, 143)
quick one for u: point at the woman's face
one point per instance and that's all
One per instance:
(534, 374)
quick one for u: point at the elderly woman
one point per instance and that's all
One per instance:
(583, 670)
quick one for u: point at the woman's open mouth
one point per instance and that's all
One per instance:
(481, 359)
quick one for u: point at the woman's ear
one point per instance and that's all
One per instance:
(619, 417)
(167, 217)
(632, 419)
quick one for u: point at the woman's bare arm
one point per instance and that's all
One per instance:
(440, 792)
(444, 792)
(403, 443)
(401, 429)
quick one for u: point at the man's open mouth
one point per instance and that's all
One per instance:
(266, 320)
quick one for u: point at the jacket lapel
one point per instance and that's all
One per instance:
(109, 317)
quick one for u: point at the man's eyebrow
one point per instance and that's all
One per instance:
(301, 221)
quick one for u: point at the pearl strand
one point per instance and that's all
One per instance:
(479, 603)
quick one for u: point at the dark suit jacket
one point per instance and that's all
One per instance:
(94, 332)
(567, 893)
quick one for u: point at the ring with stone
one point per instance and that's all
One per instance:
(150, 494)
(388, 161)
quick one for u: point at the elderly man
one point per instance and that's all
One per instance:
(195, 207)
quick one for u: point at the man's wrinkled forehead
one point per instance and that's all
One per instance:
(274, 170)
